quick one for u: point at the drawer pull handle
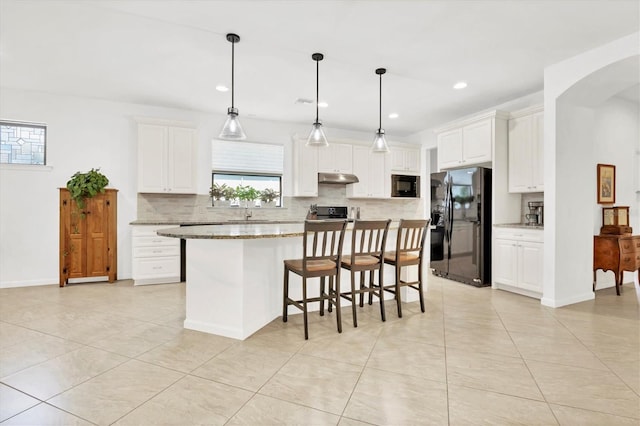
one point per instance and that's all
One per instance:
(157, 267)
(156, 251)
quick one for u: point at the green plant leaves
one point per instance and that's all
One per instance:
(86, 185)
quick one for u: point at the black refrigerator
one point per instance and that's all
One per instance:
(461, 213)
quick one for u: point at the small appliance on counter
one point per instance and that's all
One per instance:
(535, 217)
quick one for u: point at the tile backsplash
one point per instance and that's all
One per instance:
(197, 208)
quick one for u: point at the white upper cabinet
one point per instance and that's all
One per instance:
(335, 158)
(167, 158)
(305, 169)
(526, 151)
(467, 143)
(405, 160)
(372, 171)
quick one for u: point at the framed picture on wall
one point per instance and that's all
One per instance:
(606, 184)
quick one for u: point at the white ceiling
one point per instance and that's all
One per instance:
(174, 53)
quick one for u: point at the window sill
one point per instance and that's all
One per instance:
(25, 167)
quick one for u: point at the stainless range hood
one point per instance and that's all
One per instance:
(337, 178)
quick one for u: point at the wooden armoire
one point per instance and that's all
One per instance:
(88, 237)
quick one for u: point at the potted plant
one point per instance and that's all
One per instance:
(247, 194)
(219, 195)
(268, 197)
(86, 185)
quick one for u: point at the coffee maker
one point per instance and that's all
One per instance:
(535, 217)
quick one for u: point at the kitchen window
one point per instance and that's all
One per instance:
(248, 164)
(23, 143)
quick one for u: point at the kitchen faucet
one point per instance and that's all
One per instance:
(247, 213)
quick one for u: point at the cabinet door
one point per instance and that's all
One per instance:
(537, 173)
(505, 262)
(379, 179)
(96, 235)
(450, 149)
(520, 154)
(476, 142)
(361, 168)
(305, 169)
(182, 158)
(152, 158)
(335, 158)
(405, 160)
(530, 264)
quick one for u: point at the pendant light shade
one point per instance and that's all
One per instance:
(317, 136)
(379, 141)
(232, 129)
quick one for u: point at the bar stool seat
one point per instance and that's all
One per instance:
(296, 265)
(361, 260)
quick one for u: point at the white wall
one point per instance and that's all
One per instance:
(570, 162)
(616, 134)
(88, 133)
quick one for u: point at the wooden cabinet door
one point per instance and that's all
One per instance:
(361, 168)
(96, 236)
(477, 142)
(335, 158)
(379, 178)
(72, 239)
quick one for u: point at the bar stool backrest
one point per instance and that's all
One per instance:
(322, 241)
(369, 237)
(411, 238)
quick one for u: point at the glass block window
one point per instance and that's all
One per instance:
(22, 143)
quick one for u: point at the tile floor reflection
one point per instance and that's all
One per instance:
(116, 354)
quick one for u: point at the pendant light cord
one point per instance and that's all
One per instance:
(233, 45)
(317, 87)
(380, 106)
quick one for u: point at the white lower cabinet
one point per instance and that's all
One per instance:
(518, 260)
(156, 259)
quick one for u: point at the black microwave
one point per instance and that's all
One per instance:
(405, 186)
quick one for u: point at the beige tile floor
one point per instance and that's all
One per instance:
(116, 354)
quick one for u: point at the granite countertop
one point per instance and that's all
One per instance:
(519, 225)
(235, 231)
(208, 222)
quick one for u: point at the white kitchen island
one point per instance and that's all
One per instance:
(235, 274)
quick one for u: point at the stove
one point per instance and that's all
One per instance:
(332, 212)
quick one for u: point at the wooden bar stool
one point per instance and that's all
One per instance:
(409, 251)
(368, 240)
(321, 257)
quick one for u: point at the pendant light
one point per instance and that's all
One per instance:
(232, 130)
(379, 141)
(316, 136)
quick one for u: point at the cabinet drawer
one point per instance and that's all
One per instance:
(156, 241)
(630, 245)
(156, 267)
(159, 251)
(520, 234)
(148, 230)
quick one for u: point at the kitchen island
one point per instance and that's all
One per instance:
(235, 274)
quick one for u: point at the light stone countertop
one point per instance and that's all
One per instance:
(235, 231)
(519, 225)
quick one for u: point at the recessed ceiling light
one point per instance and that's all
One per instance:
(222, 88)
(323, 104)
(394, 115)
(460, 85)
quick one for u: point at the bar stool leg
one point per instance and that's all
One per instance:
(381, 293)
(353, 297)
(398, 302)
(322, 294)
(420, 286)
(285, 297)
(336, 296)
(304, 307)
